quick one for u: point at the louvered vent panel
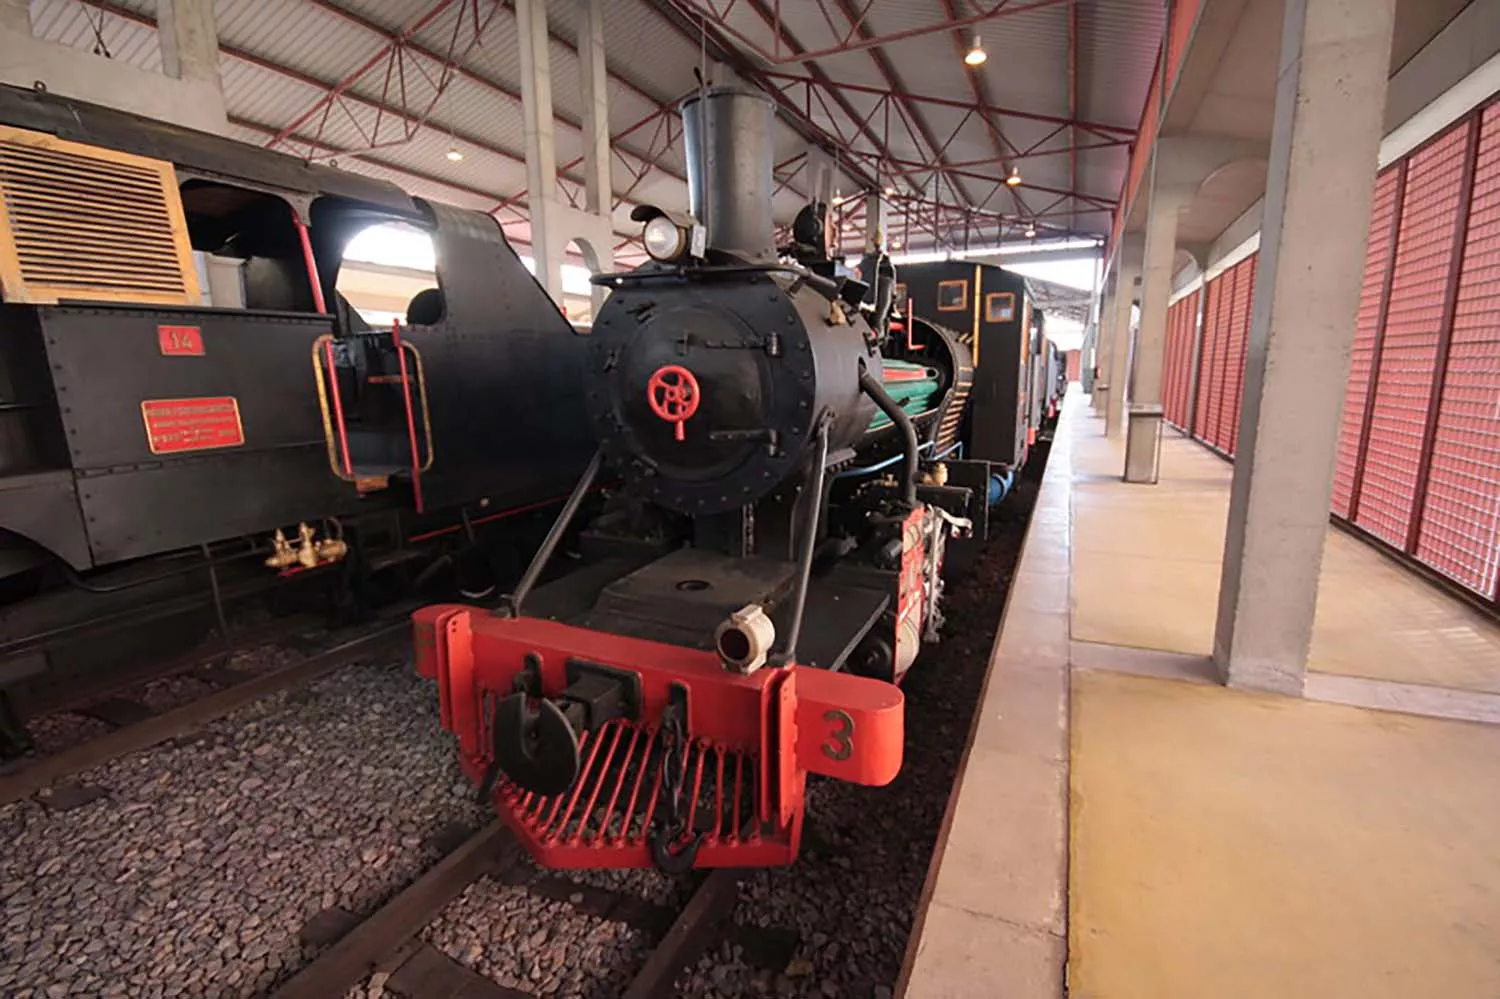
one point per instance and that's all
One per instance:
(1218, 425)
(1377, 262)
(1188, 374)
(1239, 339)
(1207, 361)
(1169, 364)
(1408, 353)
(1460, 534)
(89, 224)
(1185, 317)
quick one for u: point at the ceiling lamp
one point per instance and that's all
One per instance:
(1031, 230)
(890, 191)
(1013, 179)
(976, 54)
(454, 154)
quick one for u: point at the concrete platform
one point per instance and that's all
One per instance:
(1125, 827)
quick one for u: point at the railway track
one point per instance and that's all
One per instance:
(385, 948)
(36, 776)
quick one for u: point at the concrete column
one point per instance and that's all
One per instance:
(1099, 391)
(1143, 430)
(1127, 277)
(188, 39)
(593, 84)
(541, 148)
(15, 15)
(1330, 99)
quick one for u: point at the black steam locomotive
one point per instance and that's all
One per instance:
(187, 399)
(782, 474)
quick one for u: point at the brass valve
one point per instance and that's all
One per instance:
(332, 549)
(307, 554)
(282, 556)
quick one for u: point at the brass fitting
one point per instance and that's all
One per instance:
(282, 556)
(307, 553)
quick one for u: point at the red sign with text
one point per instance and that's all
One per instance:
(174, 425)
(180, 341)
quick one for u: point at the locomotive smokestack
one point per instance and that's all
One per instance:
(729, 159)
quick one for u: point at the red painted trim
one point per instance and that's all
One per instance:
(311, 262)
(454, 528)
(338, 408)
(411, 417)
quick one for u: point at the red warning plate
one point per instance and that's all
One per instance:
(192, 424)
(180, 341)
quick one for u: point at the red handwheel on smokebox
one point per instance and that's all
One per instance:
(673, 395)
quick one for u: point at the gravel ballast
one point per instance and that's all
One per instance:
(196, 872)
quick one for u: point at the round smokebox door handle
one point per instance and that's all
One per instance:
(673, 394)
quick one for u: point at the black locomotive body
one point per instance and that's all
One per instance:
(767, 562)
(160, 421)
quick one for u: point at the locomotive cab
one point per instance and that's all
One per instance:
(750, 593)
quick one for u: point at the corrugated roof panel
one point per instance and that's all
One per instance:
(77, 25)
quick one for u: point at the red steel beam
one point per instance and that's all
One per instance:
(913, 118)
(292, 74)
(865, 39)
(676, 14)
(493, 85)
(1073, 95)
(1126, 132)
(393, 43)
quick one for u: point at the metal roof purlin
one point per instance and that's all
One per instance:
(851, 43)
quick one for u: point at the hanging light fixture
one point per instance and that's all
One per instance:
(1031, 230)
(976, 54)
(1013, 179)
(890, 191)
(454, 154)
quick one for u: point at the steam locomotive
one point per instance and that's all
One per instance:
(189, 410)
(781, 469)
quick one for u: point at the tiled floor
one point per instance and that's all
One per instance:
(1146, 574)
(1193, 841)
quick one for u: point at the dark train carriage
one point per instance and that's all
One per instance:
(990, 311)
(1010, 401)
(178, 371)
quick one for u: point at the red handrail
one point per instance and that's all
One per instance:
(338, 407)
(411, 416)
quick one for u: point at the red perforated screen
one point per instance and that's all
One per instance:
(1460, 531)
(1237, 337)
(1377, 263)
(1408, 350)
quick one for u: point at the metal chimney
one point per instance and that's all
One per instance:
(729, 160)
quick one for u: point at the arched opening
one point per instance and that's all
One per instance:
(580, 299)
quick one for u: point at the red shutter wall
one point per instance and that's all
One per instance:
(1226, 327)
(1234, 358)
(1460, 530)
(1173, 402)
(1372, 293)
(1182, 322)
(1418, 461)
(1211, 363)
(1408, 350)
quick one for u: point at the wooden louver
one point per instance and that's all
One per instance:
(86, 224)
